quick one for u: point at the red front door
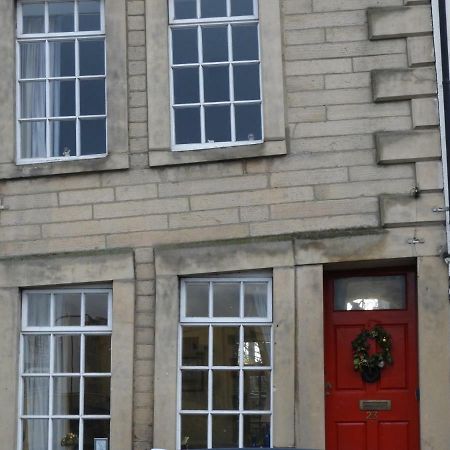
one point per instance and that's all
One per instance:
(354, 301)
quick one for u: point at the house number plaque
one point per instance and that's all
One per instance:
(375, 405)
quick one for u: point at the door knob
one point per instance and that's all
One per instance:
(328, 387)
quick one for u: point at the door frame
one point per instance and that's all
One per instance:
(411, 309)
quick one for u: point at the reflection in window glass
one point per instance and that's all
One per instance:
(61, 17)
(225, 368)
(369, 293)
(89, 18)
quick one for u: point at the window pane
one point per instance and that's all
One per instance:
(62, 58)
(187, 125)
(92, 57)
(194, 393)
(213, 8)
(216, 82)
(36, 354)
(35, 395)
(197, 299)
(94, 429)
(66, 395)
(257, 390)
(218, 124)
(226, 299)
(245, 42)
(93, 136)
(61, 17)
(226, 389)
(256, 346)
(67, 309)
(32, 59)
(226, 346)
(32, 99)
(63, 138)
(92, 97)
(34, 434)
(195, 346)
(32, 139)
(193, 431)
(255, 299)
(89, 15)
(97, 354)
(62, 98)
(185, 9)
(38, 310)
(33, 18)
(67, 353)
(186, 85)
(61, 430)
(97, 395)
(248, 122)
(184, 46)
(96, 309)
(256, 431)
(246, 82)
(369, 293)
(225, 431)
(215, 43)
(241, 7)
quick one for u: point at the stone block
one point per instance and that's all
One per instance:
(401, 84)
(425, 112)
(406, 210)
(420, 50)
(407, 146)
(399, 21)
(429, 175)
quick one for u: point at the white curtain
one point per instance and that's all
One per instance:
(32, 60)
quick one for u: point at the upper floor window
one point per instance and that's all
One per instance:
(215, 73)
(61, 76)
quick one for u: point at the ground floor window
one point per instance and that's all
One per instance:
(225, 363)
(65, 369)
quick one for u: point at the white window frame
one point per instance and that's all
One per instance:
(46, 37)
(212, 322)
(82, 331)
(197, 22)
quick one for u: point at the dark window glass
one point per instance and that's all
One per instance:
(33, 20)
(92, 57)
(241, 7)
(248, 122)
(245, 42)
(193, 431)
(89, 15)
(184, 46)
(61, 17)
(93, 136)
(187, 125)
(218, 129)
(185, 9)
(215, 44)
(225, 431)
(62, 58)
(213, 8)
(216, 82)
(32, 59)
(92, 97)
(185, 85)
(246, 82)
(63, 138)
(62, 98)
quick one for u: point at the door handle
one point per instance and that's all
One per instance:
(328, 387)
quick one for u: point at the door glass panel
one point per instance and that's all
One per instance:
(369, 293)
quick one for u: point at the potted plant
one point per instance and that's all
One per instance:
(70, 440)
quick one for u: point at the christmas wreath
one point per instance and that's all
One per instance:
(370, 365)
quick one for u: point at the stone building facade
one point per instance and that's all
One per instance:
(347, 178)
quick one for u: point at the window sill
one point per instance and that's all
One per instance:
(167, 157)
(10, 170)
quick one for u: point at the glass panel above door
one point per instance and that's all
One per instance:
(369, 293)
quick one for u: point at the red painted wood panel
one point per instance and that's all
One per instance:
(347, 426)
